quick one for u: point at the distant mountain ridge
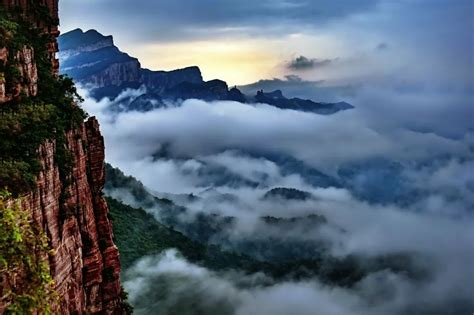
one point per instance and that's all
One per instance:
(277, 99)
(91, 58)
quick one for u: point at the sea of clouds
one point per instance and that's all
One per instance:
(189, 147)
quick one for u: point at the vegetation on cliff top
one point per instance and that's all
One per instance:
(27, 122)
(26, 284)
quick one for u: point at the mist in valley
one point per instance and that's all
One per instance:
(261, 181)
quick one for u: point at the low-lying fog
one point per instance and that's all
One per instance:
(383, 186)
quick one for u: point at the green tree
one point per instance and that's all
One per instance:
(27, 283)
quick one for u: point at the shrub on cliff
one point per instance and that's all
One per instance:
(26, 284)
(22, 130)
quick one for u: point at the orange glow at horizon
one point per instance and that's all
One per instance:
(237, 63)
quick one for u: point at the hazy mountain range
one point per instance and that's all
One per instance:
(91, 58)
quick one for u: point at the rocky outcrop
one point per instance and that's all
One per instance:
(90, 41)
(159, 81)
(209, 91)
(236, 95)
(92, 58)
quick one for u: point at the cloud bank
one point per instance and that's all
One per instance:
(199, 129)
(174, 286)
(230, 154)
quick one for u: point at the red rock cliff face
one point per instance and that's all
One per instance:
(25, 57)
(27, 70)
(73, 213)
(86, 265)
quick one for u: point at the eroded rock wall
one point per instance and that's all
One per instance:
(70, 209)
(74, 216)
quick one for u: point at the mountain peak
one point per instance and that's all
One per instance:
(90, 57)
(86, 41)
(75, 31)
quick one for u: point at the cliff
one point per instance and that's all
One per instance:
(104, 64)
(209, 91)
(92, 58)
(85, 265)
(64, 171)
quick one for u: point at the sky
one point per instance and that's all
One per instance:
(244, 41)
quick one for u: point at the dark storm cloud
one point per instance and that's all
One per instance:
(305, 63)
(169, 19)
